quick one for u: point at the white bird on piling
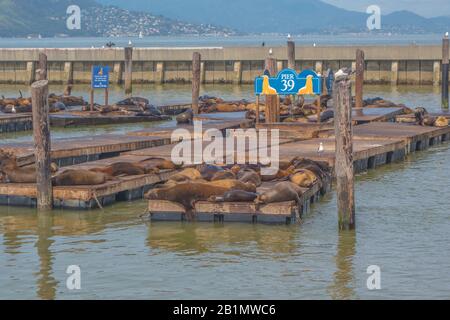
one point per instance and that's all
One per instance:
(270, 51)
(130, 43)
(446, 34)
(344, 72)
(314, 44)
(321, 149)
(289, 36)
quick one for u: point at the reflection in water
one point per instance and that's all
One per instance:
(343, 282)
(200, 238)
(46, 283)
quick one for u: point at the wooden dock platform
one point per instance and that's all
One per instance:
(410, 118)
(70, 151)
(15, 122)
(221, 212)
(73, 119)
(366, 115)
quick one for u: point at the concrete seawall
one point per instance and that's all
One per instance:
(384, 64)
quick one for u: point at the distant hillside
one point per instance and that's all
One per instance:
(20, 18)
(290, 16)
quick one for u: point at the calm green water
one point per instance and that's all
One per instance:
(403, 226)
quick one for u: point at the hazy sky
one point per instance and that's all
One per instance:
(428, 8)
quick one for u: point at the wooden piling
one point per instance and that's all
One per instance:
(272, 113)
(342, 97)
(42, 70)
(196, 66)
(445, 69)
(291, 54)
(128, 71)
(359, 79)
(41, 134)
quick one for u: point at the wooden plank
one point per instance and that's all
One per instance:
(69, 119)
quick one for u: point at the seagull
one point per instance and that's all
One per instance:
(344, 72)
(446, 34)
(13, 110)
(289, 36)
(130, 43)
(270, 51)
(314, 44)
(321, 149)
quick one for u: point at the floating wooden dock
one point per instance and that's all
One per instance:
(70, 151)
(15, 122)
(366, 115)
(410, 118)
(220, 212)
(72, 119)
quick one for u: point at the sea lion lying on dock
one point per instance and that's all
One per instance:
(156, 164)
(283, 191)
(80, 178)
(235, 196)
(441, 122)
(186, 194)
(208, 171)
(303, 178)
(14, 174)
(133, 101)
(280, 175)
(420, 114)
(189, 174)
(122, 168)
(249, 175)
(223, 175)
(185, 117)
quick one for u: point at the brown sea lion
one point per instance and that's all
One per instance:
(153, 163)
(186, 194)
(281, 174)
(420, 114)
(223, 175)
(122, 168)
(15, 174)
(209, 170)
(185, 117)
(235, 196)
(283, 191)
(441, 122)
(80, 178)
(189, 174)
(249, 175)
(231, 184)
(303, 178)
(228, 107)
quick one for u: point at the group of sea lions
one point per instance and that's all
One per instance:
(136, 106)
(239, 184)
(11, 172)
(424, 119)
(24, 105)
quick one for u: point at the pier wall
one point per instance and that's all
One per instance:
(384, 64)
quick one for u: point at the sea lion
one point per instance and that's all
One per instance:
(185, 117)
(156, 164)
(283, 191)
(235, 196)
(209, 170)
(441, 122)
(80, 178)
(420, 114)
(188, 174)
(228, 107)
(15, 174)
(231, 184)
(186, 194)
(222, 175)
(281, 174)
(122, 168)
(249, 175)
(133, 101)
(303, 178)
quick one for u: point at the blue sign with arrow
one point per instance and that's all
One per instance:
(287, 82)
(100, 77)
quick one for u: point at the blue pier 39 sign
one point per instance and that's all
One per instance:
(287, 82)
(100, 77)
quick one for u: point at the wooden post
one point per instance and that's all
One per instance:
(444, 69)
(41, 133)
(291, 54)
(128, 71)
(91, 100)
(42, 70)
(271, 113)
(257, 109)
(106, 97)
(196, 64)
(359, 79)
(342, 97)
